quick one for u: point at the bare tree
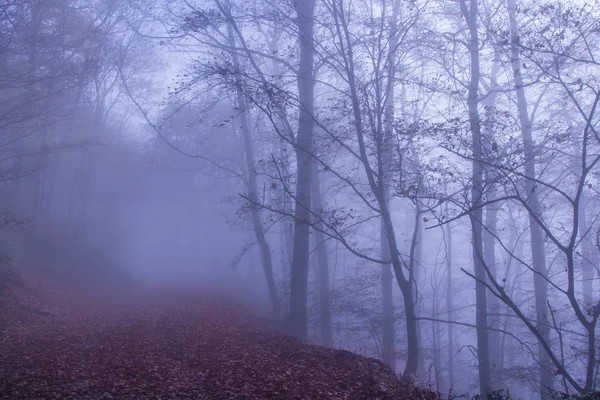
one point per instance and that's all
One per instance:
(558, 62)
(323, 263)
(470, 14)
(259, 232)
(537, 244)
(304, 165)
(374, 167)
(387, 277)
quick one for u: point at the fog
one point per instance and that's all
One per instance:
(411, 181)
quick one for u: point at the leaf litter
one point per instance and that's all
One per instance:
(177, 343)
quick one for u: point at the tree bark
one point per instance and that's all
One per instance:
(416, 251)
(323, 261)
(476, 216)
(449, 303)
(588, 255)
(36, 24)
(388, 348)
(491, 231)
(537, 237)
(436, 335)
(259, 232)
(304, 163)
(405, 283)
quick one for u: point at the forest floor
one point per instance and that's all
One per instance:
(170, 343)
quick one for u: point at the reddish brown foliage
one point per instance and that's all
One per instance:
(175, 344)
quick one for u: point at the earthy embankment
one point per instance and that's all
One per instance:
(177, 343)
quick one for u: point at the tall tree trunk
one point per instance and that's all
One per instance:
(388, 348)
(537, 237)
(403, 279)
(285, 155)
(42, 179)
(323, 261)
(36, 24)
(588, 255)
(416, 252)
(286, 229)
(259, 232)
(286, 249)
(476, 216)
(304, 147)
(449, 303)
(436, 335)
(491, 221)
(287, 224)
(412, 335)
(489, 248)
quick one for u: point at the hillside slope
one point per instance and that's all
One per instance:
(177, 343)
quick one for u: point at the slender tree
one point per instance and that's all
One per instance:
(304, 164)
(537, 238)
(257, 224)
(470, 14)
(388, 347)
(323, 264)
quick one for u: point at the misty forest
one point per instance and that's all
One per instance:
(299, 199)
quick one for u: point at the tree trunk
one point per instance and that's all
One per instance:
(489, 248)
(588, 255)
(408, 297)
(259, 232)
(415, 261)
(286, 229)
(285, 244)
(37, 182)
(476, 215)
(388, 348)
(412, 335)
(437, 360)
(287, 224)
(323, 260)
(491, 231)
(303, 146)
(449, 303)
(375, 182)
(537, 237)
